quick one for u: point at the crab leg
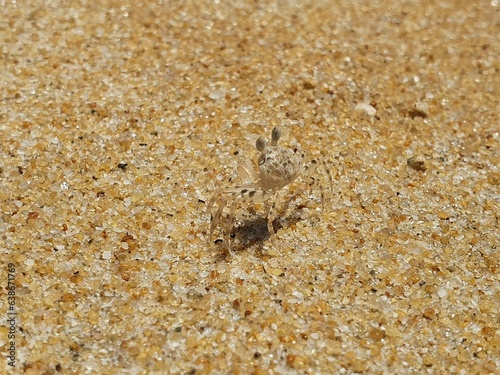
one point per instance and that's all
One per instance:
(218, 215)
(229, 226)
(271, 215)
(212, 200)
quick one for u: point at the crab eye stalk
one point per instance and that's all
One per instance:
(261, 145)
(275, 136)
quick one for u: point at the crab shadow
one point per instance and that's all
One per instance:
(254, 232)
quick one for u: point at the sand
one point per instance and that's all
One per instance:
(119, 121)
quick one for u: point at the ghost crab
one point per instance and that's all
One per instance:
(277, 167)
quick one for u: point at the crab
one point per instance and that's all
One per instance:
(277, 167)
